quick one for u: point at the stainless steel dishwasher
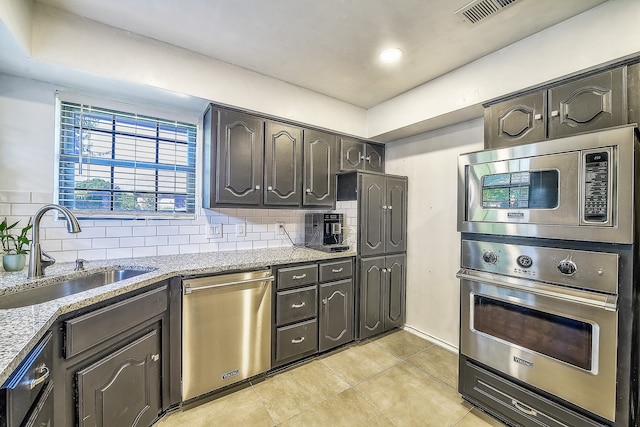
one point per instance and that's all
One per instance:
(226, 330)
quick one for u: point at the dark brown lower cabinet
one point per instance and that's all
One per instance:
(382, 294)
(336, 314)
(123, 388)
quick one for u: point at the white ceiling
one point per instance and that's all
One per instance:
(331, 46)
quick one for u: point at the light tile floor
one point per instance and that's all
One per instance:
(396, 380)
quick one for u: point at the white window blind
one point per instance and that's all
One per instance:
(124, 165)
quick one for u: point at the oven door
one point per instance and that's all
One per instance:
(559, 340)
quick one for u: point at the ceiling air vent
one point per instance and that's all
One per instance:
(479, 10)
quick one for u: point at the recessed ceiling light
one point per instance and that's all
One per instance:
(390, 55)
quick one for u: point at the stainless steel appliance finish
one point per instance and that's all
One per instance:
(226, 330)
(553, 189)
(545, 316)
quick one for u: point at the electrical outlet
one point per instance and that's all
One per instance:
(214, 231)
(241, 230)
(279, 228)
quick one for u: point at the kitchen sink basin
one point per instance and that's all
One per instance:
(66, 287)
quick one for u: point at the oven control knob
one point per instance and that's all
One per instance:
(489, 257)
(524, 261)
(567, 267)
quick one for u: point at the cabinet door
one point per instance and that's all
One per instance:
(320, 166)
(396, 215)
(591, 103)
(374, 158)
(372, 287)
(515, 121)
(372, 216)
(282, 165)
(394, 292)
(239, 158)
(123, 388)
(336, 314)
(352, 154)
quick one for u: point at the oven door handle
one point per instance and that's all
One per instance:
(603, 301)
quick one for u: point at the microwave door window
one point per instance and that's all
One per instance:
(521, 190)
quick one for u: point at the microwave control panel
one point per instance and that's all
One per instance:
(596, 186)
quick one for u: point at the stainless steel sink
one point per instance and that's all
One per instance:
(66, 287)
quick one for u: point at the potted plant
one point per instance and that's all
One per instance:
(14, 246)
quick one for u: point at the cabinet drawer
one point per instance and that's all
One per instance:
(23, 387)
(297, 276)
(296, 304)
(335, 270)
(92, 328)
(296, 341)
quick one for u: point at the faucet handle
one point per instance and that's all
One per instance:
(80, 264)
(46, 260)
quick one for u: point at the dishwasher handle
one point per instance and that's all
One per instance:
(188, 289)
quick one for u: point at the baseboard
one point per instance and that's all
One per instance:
(431, 338)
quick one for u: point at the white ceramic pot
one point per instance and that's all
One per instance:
(14, 262)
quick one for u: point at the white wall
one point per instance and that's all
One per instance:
(433, 244)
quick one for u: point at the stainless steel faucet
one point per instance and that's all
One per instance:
(39, 259)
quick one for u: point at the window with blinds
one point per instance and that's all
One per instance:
(124, 165)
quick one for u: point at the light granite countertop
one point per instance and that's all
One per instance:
(21, 328)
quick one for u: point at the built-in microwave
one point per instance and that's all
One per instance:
(575, 188)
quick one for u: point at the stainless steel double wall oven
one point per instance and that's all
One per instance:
(548, 332)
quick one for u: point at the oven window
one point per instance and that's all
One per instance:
(521, 190)
(554, 336)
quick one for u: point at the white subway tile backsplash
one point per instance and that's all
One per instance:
(14, 197)
(131, 242)
(75, 244)
(93, 254)
(113, 242)
(168, 250)
(118, 232)
(123, 238)
(156, 241)
(144, 231)
(121, 253)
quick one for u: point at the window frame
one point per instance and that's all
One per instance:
(72, 158)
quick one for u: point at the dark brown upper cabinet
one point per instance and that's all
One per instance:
(320, 168)
(590, 103)
(360, 155)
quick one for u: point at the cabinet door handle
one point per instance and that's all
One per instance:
(538, 117)
(257, 187)
(337, 270)
(155, 357)
(43, 371)
(324, 301)
(297, 340)
(384, 270)
(308, 190)
(302, 304)
(384, 206)
(555, 113)
(389, 207)
(270, 188)
(302, 276)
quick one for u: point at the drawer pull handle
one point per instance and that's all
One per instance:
(337, 270)
(297, 340)
(523, 408)
(155, 357)
(302, 304)
(302, 276)
(43, 371)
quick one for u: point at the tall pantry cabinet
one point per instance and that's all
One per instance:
(381, 260)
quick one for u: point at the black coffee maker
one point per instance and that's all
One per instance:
(324, 231)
